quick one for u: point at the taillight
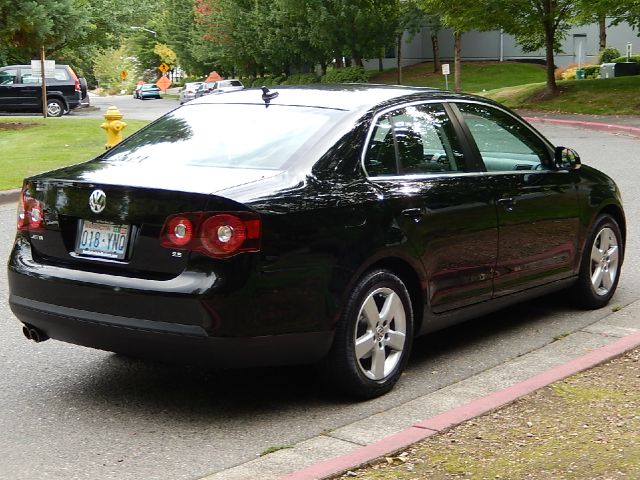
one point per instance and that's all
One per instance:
(179, 231)
(75, 81)
(217, 235)
(30, 212)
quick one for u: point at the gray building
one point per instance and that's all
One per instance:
(580, 46)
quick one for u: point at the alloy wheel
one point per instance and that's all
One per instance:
(604, 261)
(380, 334)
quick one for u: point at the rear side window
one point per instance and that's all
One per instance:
(8, 76)
(61, 75)
(228, 136)
(414, 140)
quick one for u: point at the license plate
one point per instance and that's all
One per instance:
(104, 240)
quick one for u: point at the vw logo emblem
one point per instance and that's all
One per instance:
(97, 201)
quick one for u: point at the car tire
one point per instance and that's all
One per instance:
(600, 267)
(373, 338)
(55, 107)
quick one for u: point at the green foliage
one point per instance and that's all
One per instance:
(591, 71)
(608, 54)
(107, 67)
(28, 25)
(633, 58)
(301, 79)
(346, 75)
(599, 97)
(283, 36)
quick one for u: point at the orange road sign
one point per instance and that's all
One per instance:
(163, 83)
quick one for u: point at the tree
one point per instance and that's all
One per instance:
(108, 64)
(461, 16)
(410, 20)
(536, 24)
(29, 25)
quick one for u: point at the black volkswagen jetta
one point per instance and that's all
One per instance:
(313, 225)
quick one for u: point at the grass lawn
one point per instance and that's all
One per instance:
(476, 76)
(520, 85)
(611, 96)
(33, 145)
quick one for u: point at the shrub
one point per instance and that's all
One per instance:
(591, 71)
(608, 54)
(301, 79)
(633, 58)
(569, 74)
(346, 75)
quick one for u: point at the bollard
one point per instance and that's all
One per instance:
(113, 126)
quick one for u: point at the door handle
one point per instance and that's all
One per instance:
(414, 214)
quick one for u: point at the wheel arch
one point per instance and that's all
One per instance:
(616, 212)
(411, 280)
(60, 98)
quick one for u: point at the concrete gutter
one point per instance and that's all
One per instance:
(9, 196)
(389, 431)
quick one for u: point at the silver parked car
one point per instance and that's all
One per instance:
(188, 92)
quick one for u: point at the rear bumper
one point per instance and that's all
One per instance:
(190, 318)
(168, 341)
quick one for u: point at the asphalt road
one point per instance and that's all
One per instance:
(131, 108)
(73, 413)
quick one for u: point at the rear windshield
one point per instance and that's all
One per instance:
(228, 136)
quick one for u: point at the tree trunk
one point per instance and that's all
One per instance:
(602, 25)
(457, 63)
(399, 57)
(549, 37)
(437, 64)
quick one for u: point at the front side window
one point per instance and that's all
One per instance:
(414, 140)
(504, 143)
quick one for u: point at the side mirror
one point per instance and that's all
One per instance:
(566, 159)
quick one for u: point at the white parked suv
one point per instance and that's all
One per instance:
(230, 85)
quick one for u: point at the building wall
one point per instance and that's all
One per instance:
(579, 46)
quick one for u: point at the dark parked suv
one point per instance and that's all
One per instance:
(20, 90)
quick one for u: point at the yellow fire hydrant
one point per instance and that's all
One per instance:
(113, 126)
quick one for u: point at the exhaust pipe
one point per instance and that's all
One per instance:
(32, 333)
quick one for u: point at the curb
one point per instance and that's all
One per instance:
(604, 127)
(446, 420)
(9, 196)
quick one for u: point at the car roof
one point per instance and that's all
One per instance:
(58, 65)
(350, 97)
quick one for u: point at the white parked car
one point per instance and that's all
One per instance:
(188, 92)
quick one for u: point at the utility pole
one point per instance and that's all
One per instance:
(44, 83)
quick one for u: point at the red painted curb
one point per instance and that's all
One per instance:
(593, 125)
(478, 407)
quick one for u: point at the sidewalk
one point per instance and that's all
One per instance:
(584, 427)
(620, 124)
